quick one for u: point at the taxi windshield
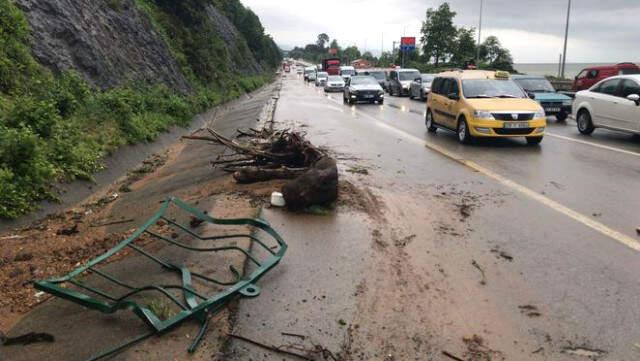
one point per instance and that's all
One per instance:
(491, 88)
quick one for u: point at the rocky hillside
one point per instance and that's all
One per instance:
(111, 42)
(79, 78)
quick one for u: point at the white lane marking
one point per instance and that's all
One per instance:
(601, 146)
(558, 207)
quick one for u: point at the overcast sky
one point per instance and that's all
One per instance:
(601, 30)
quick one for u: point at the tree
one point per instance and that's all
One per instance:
(438, 34)
(368, 56)
(323, 39)
(494, 55)
(334, 44)
(465, 46)
(386, 59)
(350, 54)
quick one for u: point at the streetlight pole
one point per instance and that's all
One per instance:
(566, 37)
(479, 33)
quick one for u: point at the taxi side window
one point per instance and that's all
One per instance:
(436, 86)
(444, 86)
(453, 87)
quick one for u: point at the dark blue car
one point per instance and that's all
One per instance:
(558, 105)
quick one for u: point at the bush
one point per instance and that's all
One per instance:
(26, 173)
(39, 115)
(13, 200)
(17, 66)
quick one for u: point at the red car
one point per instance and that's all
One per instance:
(590, 76)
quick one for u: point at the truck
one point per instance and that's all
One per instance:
(331, 66)
(590, 76)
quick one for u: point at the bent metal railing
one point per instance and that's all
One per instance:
(194, 305)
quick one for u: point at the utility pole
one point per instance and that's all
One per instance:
(479, 34)
(559, 65)
(566, 37)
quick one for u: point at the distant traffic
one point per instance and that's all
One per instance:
(483, 104)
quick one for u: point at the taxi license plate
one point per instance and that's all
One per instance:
(516, 125)
(552, 110)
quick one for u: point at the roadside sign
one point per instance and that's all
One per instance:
(407, 43)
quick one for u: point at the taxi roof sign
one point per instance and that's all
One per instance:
(501, 74)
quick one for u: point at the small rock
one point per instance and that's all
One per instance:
(23, 257)
(16, 272)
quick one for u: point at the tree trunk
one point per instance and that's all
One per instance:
(257, 174)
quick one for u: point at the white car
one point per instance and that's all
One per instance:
(613, 103)
(335, 83)
(321, 78)
(347, 72)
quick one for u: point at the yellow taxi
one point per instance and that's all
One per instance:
(478, 103)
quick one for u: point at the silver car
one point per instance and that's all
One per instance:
(321, 78)
(335, 83)
(420, 87)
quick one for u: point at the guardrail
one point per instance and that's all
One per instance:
(562, 85)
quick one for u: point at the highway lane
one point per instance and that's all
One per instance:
(419, 291)
(574, 170)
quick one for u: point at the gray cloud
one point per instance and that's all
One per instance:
(600, 30)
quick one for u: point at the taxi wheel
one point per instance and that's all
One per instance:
(534, 140)
(463, 132)
(431, 127)
(585, 125)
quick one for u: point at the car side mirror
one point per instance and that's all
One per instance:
(634, 98)
(531, 95)
(454, 96)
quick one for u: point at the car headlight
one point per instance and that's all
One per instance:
(540, 114)
(483, 114)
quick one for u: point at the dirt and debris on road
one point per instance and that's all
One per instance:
(478, 351)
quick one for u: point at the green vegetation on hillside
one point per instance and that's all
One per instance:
(58, 128)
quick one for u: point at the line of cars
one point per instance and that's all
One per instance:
(477, 104)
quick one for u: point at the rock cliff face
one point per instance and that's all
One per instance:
(233, 40)
(112, 42)
(108, 42)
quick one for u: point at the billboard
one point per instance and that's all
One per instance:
(407, 43)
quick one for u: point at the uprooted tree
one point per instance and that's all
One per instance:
(262, 155)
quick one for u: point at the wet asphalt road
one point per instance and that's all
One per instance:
(534, 249)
